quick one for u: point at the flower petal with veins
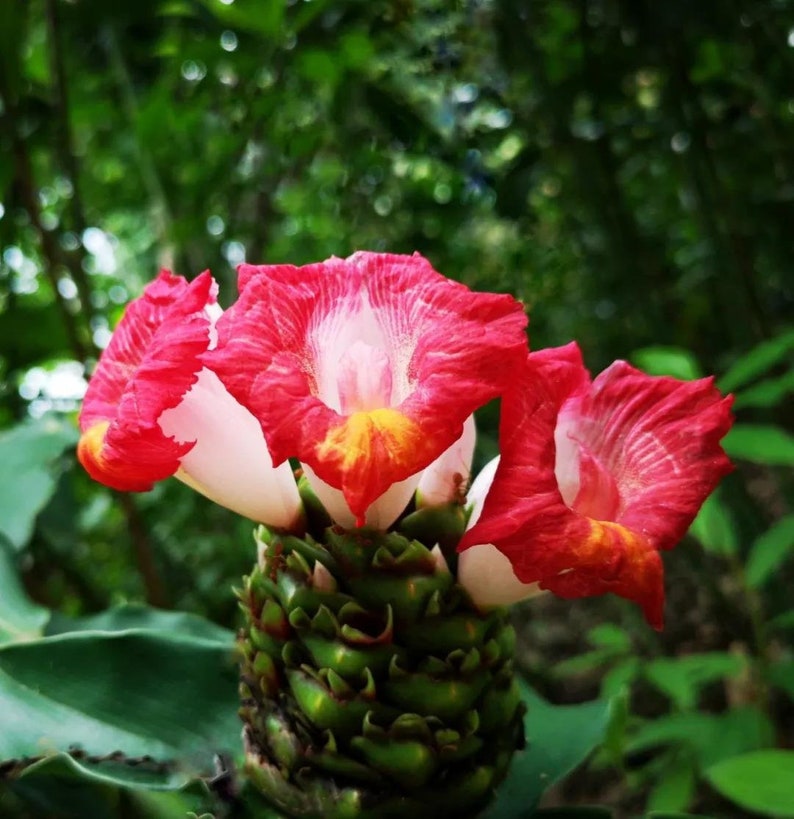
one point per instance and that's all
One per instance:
(152, 360)
(596, 478)
(151, 410)
(366, 368)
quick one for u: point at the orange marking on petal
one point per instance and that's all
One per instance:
(380, 434)
(126, 472)
(89, 449)
(625, 561)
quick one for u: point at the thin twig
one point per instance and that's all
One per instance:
(26, 190)
(161, 210)
(144, 555)
(67, 157)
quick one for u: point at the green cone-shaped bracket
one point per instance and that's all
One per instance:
(371, 686)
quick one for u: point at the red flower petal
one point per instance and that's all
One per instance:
(152, 360)
(429, 352)
(595, 478)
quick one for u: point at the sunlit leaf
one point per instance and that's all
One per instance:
(761, 781)
(674, 361)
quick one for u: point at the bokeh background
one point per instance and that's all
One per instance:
(625, 167)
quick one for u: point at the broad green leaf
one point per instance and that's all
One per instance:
(767, 393)
(711, 737)
(714, 527)
(20, 619)
(674, 361)
(57, 784)
(90, 790)
(171, 697)
(559, 737)
(760, 444)
(769, 551)
(671, 729)
(681, 678)
(28, 453)
(136, 616)
(761, 781)
(676, 786)
(757, 362)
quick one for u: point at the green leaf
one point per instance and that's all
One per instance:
(783, 621)
(761, 781)
(620, 676)
(681, 678)
(769, 551)
(767, 393)
(20, 619)
(714, 527)
(711, 737)
(608, 635)
(781, 674)
(757, 361)
(136, 616)
(28, 453)
(760, 444)
(170, 697)
(90, 789)
(559, 737)
(582, 663)
(674, 361)
(585, 812)
(667, 814)
(676, 787)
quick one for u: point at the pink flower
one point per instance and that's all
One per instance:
(595, 478)
(365, 369)
(152, 410)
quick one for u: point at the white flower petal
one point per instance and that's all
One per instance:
(230, 463)
(380, 514)
(479, 490)
(447, 477)
(487, 575)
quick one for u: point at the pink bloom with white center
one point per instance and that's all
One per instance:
(365, 369)
(152, 410)
(595, 478)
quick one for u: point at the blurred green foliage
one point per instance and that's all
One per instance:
(626, 168)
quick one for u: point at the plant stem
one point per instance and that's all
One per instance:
(144, 555)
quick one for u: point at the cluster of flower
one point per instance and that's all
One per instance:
(368, 371)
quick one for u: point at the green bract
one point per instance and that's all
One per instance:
(371, 685)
